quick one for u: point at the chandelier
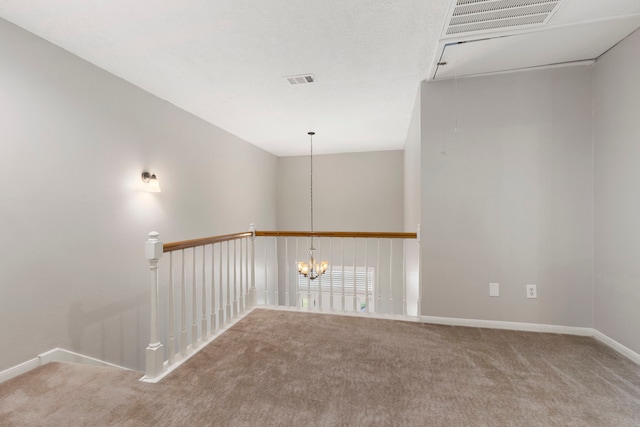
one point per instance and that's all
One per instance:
(312, 269)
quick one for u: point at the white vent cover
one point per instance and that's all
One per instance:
(301, 79)
(480, 15)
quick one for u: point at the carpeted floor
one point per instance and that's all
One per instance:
(285, 368)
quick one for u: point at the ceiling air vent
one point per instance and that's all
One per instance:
(301, 79)
(481, 15)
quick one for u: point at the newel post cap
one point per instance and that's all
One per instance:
(153, 248)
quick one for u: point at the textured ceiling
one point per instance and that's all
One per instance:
(225, 60)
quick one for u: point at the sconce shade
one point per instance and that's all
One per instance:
(153, 185)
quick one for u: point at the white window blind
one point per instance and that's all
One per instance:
(336, 275)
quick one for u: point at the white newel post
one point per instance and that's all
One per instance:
(155, 352)
(252, 291)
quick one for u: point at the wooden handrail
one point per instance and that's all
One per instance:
(185, 244)
(355, 234)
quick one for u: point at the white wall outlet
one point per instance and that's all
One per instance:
(494, 289)
(532, 292)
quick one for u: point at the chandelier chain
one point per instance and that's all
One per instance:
(313, 269)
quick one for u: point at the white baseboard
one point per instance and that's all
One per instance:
(399, 317)
(514, 326)
(54, 355)
(62, 355)
(491, 324)
(20, 369)
(610, 342)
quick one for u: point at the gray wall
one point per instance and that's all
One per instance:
(507, 196)
(412, 201)
(617, 194)
(73, 219)
(412, 170)
(351, 192)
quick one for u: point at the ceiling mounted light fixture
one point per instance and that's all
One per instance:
(153, 186)
(312, 269)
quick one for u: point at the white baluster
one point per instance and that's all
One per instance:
(194, 305)
(309, 281)
(241, 265)
(221, 312)
(344, 300)
(404, 278)
(229, 313)
(419, 272)
(366, 276)
(391, 308)
(378, 307)
(331, 306)
(214, 307)
(171, 348)
(266, 268)
(276, 290)
(286, 268)
(298, 300)
(355, 278)
(155, 352)
(319, 261)
(247, 301)
(183, 304)
(203, 327)
(236, 304)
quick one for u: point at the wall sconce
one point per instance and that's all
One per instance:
(153, 186)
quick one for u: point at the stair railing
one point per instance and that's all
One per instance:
(211, 282)
(368, 273)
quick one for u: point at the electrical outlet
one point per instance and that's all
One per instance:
(532, 292)
(494, 289)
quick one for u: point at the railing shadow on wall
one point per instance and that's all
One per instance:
(110, 322)
(207, 284)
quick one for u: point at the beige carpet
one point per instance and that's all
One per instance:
(284, 368)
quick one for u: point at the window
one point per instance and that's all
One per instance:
(339, 281)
